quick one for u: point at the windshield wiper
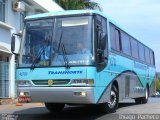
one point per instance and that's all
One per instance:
(63, 51)
(37, 59)
(65, 56)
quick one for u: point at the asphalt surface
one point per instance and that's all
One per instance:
(126, 110)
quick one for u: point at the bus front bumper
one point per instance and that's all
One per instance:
(75, 95)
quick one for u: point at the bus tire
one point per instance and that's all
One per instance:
(113, 104)
(54, 107)
(143, 100)
(138, 100)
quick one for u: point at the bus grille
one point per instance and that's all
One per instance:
(55, 82)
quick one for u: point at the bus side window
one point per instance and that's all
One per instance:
(134, 48)
(152, 57)
(117, 34)
(147, 57)
(126, 46)
(141, 52)
(114, 38)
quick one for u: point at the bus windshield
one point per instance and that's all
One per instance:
(61, 41)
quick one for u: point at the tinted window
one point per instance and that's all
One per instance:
(0, 57)
(104, 25)
(101, 25)
(141, 52)
(112, 37)
(104, 28)
(134, 48)
(115, 38)
(126, 44)
(152, 57)
(147, 57)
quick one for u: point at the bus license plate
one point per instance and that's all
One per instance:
(24, 99)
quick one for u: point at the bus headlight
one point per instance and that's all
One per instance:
(21, 93)
(82, 82)
(23, 83)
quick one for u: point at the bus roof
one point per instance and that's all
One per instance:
(63, 13)
(75, 12)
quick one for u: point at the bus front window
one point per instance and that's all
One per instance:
(75, 33)
(36, 43)
(57, 42)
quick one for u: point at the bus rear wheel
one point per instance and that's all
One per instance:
(111, 106)
(143, 100)
(55, 107)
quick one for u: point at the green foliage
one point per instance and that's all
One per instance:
(77, 4)
(158, 85)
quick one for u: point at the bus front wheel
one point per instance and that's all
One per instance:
(55, 107)
(111, 106)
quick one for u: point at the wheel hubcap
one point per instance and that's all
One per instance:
(146, 93)
(112, 102)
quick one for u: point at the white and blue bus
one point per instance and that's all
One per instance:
(81, 57)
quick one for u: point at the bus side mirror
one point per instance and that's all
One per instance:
(13, 44)
(103, 41)
(102, 37)
(100, 51)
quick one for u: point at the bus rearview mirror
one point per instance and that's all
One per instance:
(103, 42)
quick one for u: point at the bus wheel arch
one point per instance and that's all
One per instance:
(115, 83)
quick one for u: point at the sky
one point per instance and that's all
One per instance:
(140, 17)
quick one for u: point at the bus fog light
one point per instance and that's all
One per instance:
(83, 94)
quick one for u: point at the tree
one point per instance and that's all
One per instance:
(77, 4)
(158, 85)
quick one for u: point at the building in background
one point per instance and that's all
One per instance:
(12, 14)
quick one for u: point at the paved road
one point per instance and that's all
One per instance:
(37, 111)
